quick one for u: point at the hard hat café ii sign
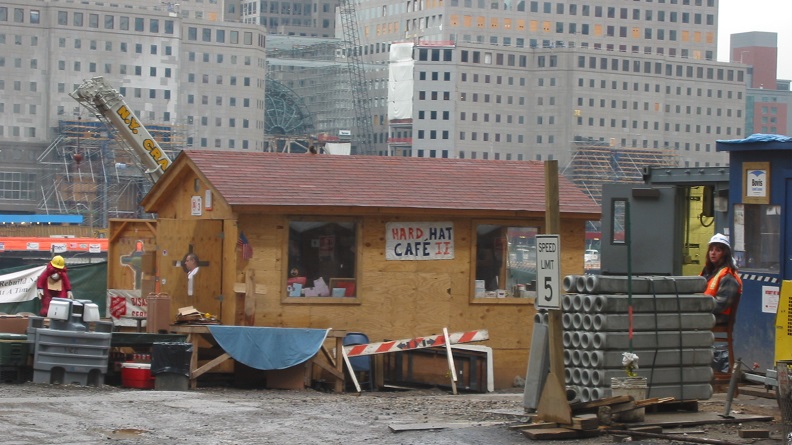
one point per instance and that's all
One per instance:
(419, 241)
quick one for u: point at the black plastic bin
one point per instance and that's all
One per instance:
(170, 366)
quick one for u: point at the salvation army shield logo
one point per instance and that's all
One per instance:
(118, 306)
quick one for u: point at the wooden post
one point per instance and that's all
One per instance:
(553, 404)
(250, 297)
(451, 367)
(351, 370)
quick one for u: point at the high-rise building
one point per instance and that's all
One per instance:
(768, 99)
(179, 67)
(530, 79)
(314, 18)
(456, 78)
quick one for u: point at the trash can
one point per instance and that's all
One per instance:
(170, 366)
(158, 318)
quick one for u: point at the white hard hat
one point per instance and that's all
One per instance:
(720, 239)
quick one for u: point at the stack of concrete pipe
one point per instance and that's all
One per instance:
(672, 322)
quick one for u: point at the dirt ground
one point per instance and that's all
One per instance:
(49, 414)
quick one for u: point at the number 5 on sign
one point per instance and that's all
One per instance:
(548, 272)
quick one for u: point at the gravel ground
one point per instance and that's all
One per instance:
(49, 414)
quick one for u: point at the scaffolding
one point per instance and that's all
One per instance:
(309, 98)
(89, 173)
(597, 162)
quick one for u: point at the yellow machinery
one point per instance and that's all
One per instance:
(783, 337)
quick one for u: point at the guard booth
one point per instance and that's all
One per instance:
(675, 212)
(760, 199)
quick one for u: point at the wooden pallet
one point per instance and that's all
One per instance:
(582, 426)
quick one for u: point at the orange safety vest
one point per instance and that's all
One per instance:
(714, 283)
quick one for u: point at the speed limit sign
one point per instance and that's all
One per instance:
(548, 272)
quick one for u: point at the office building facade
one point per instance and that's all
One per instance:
(636, 74)
(206, 78)
(768, 98)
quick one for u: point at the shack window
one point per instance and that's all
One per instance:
(757, 237)
(505, 261)
(322, 259)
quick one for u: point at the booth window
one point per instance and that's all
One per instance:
(322, 259)
(505, 261)
(757, 237)
(618, 228)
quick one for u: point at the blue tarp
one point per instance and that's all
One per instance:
(758, 137)
(269, 348)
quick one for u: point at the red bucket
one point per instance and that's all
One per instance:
(137, 375)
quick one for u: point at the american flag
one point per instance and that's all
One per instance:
(244, 244)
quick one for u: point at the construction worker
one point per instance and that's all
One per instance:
(723, 282)
(53, 283)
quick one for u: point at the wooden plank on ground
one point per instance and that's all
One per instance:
(401, 427)
(690, 406)
(653, 401)
(682, 419)
(754, 434)
(622, 407)
(537, 425)
(550, 433)
(758, 392)
(585, 422)
(647, 429)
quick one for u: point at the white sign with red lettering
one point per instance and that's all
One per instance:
(196, 208)
(419, 240)
(124, 306)
(770, 297)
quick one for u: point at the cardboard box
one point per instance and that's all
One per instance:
(290, 378)
(13, 324)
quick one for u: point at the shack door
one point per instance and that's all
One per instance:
(656, 225)
(204, 238)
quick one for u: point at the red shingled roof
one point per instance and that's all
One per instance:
(284, 179)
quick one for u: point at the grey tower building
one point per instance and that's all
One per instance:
(538, 79)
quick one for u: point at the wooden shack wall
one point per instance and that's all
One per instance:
(403, 299)
(124, 256)
(211, 235)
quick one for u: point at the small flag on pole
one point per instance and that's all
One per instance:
(244, 244)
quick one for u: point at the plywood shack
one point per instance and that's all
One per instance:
(392, 247)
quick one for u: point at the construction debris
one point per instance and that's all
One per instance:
(600, 417)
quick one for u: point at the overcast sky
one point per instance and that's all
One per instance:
(737, 16)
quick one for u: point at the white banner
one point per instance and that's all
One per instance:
(126, 306)
(20, 286)
(419, 241)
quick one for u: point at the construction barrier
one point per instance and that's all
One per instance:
(416, 343)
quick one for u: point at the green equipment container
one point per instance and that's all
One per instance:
(14, 350)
